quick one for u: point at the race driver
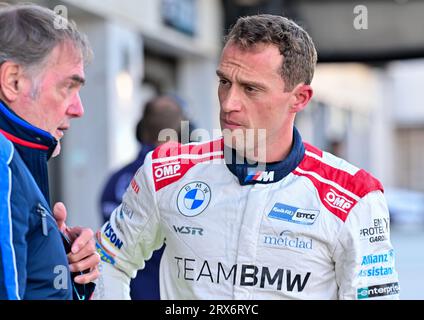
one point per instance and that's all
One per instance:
(265, 218)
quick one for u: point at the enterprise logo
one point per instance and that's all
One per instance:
(381, 290)
(288, 213)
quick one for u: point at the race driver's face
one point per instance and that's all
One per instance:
(253, 95)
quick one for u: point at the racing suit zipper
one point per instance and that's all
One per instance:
(43, 215)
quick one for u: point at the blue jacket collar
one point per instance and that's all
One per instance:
(35, 146)
(269, 172)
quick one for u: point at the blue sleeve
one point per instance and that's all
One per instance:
(11, 275)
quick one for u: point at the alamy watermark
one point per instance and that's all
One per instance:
(250, 145)
(360, 20)
(61, 20)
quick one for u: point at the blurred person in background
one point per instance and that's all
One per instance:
(269, 218)
(41, 74)
(161, 112)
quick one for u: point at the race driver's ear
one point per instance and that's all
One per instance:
(301, 95)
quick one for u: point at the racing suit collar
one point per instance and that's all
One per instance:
(270, 172)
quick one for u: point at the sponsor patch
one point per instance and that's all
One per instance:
(288, 213)
(287, 239)
(193, 198)
(381, 290)
(110, 236)
(378, 265)
(135, 186)
(104, 256)
(189, 230)
(264, 176)
(377, 232)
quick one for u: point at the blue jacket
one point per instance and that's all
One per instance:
(33, 262)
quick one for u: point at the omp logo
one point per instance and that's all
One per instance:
(338, 201)
(189, 230)
(112, 238)
(265, 176)
(288, 213)
(167, 171)
(380, 290)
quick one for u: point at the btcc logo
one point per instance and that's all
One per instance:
(338, 201)
(288, 213)
(167, 171)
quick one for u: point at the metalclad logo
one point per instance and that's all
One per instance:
(193, 198)
(288, 239)
(380, 290)
(288, 213)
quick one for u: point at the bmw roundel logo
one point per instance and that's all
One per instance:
(193, 198)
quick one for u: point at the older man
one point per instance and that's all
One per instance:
(41, 73)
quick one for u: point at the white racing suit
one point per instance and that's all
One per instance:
(310, 227)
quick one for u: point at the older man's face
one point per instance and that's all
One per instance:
(52, 100)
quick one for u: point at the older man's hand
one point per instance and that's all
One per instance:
(83, 255)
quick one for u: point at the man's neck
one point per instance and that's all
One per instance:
(269, 149)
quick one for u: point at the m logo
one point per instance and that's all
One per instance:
(338, 201)
(263, 176)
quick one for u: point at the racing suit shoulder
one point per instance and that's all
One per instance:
(171, 161)
(340, 185)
